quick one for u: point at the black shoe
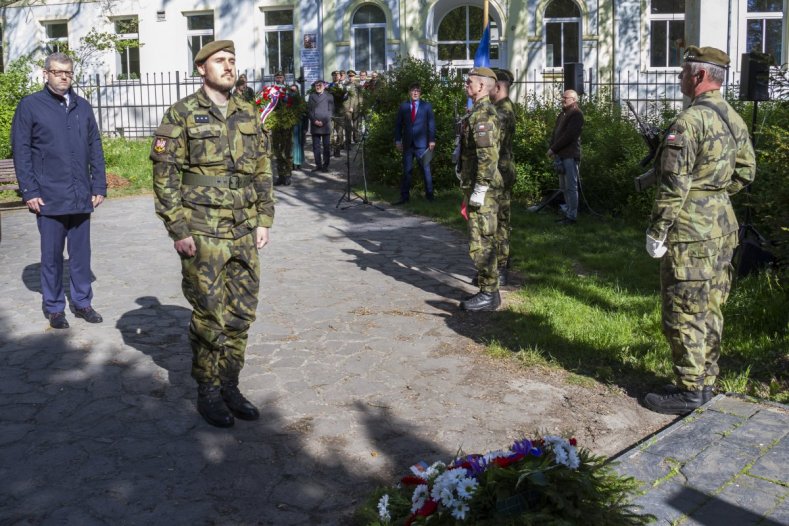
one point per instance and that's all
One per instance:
(279, 181)
(482, 301)
(88, 314)
(336, 153)
(326, 167)
(566, 221)
(706, 392)
(211, 406)
(400, 202)
(238, 405)
(679, 403)
(57, 320)
(287, 181)
(503, 277)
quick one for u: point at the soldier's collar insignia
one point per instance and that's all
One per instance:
(201, 119)
(160, 145)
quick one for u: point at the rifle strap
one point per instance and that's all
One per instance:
(722, 116)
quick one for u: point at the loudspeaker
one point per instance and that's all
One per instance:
(574, 77)
(754, 76)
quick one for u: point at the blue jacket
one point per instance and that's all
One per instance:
(57, 152)
(419, 133)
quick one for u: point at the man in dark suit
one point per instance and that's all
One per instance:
(415, 134)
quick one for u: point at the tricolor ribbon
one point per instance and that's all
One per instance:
(272, 95)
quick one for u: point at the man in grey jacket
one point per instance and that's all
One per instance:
(320, 107)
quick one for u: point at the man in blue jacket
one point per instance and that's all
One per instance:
(415, 134)
(59, 163)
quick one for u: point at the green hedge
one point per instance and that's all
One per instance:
(15, 83)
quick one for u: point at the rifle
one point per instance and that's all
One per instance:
(651, 136)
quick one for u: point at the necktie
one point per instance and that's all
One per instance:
(413, 111)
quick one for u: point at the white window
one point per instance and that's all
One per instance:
(369, 38)
(459, 34)
(199, 32)
(56, 37)
(562, 33)
(666, 33)
(764, 28)
(128, 57)
(279, 40)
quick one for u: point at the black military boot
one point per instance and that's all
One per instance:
(287, 181)
(482, 301)
(706, 392)
(211, 406)
(279, 181)
(503, 277)
(678, 403)
(238, 405)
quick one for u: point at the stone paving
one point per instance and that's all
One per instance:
(725, 464)
(356, 361)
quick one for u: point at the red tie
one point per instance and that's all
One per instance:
(413, 111)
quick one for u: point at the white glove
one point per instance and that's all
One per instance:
(478, 196)
(655, 247)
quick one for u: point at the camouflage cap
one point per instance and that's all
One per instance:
(351, 73)
(213, 47)
(707, 55)
(279, 74)
(482, 72)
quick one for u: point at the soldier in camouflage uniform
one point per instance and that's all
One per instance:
(506, 111)
(482, 185)
(705, 157)
(354, 105)
(337, 90)
(212, 181)
(282, 140)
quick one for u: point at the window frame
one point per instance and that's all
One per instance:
(562, 21)
(368, 27)
(279, 29)
(119, 56)
(464, 65)
(55, 44)
(763, 16)
(667, 18)
(190, 33)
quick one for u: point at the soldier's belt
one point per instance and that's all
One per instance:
(233, 181)
(704, 193)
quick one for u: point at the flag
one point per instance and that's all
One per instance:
(482, 56)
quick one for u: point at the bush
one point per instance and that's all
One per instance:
(15, 83)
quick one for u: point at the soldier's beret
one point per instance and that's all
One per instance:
(213, 47)
(335, 72)
(504, 75)
(482, 72)
(351, 73)
(278, 74)
(319, 81)
(707, 55)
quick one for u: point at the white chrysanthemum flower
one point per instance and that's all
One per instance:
(434, 469)
(564, 452)
(466, 487)
(419, 497)
(383, 508)
(489, 456)
(460, 510)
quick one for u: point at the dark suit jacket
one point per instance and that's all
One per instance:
(419, 133)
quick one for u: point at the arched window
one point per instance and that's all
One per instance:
(562, 33)
(369, 38)
(459, 34)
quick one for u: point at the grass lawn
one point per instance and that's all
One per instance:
(588, 302)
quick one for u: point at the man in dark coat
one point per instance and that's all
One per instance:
(59, 163)
(320, 109)
(415, 134)
(566, 152)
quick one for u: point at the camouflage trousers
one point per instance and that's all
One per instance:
(483, 244)
(695, 280)
(340, 129)
(282, 145)
(221, 283)
(504, 228)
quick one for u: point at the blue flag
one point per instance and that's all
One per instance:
(482, 56)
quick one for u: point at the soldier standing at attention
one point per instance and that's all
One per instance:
(706, 156)
(337, 91)
(212, 181)
(506, 111)
(482, 185)
(282, 139)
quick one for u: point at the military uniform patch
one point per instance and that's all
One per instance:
(160, 145)
(482, 135)
(201, 119)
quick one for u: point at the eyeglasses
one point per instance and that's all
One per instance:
(60, 73)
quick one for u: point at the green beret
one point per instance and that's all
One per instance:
(279, 74)
(483, 72)
(707, 55)
(212, 47)
(351, 73)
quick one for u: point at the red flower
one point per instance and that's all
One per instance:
(410, 480)
(503, 462)
(429, 508)
(573, 442)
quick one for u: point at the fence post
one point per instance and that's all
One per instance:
(98, 102)
(177, 85)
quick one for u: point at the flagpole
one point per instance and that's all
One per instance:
(484, 14)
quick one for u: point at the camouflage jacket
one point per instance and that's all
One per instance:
(699, 164)
(194, 137)
(480, 147)
(506, 111)
(351, 102)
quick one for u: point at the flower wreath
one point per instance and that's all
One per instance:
(279, 109)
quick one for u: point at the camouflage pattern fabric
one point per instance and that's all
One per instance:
(221, 283)
(338, 129)
(282, 140)
(221, 280)
(699, 164)
(695, 280)
(480, 138)
(506, 112)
